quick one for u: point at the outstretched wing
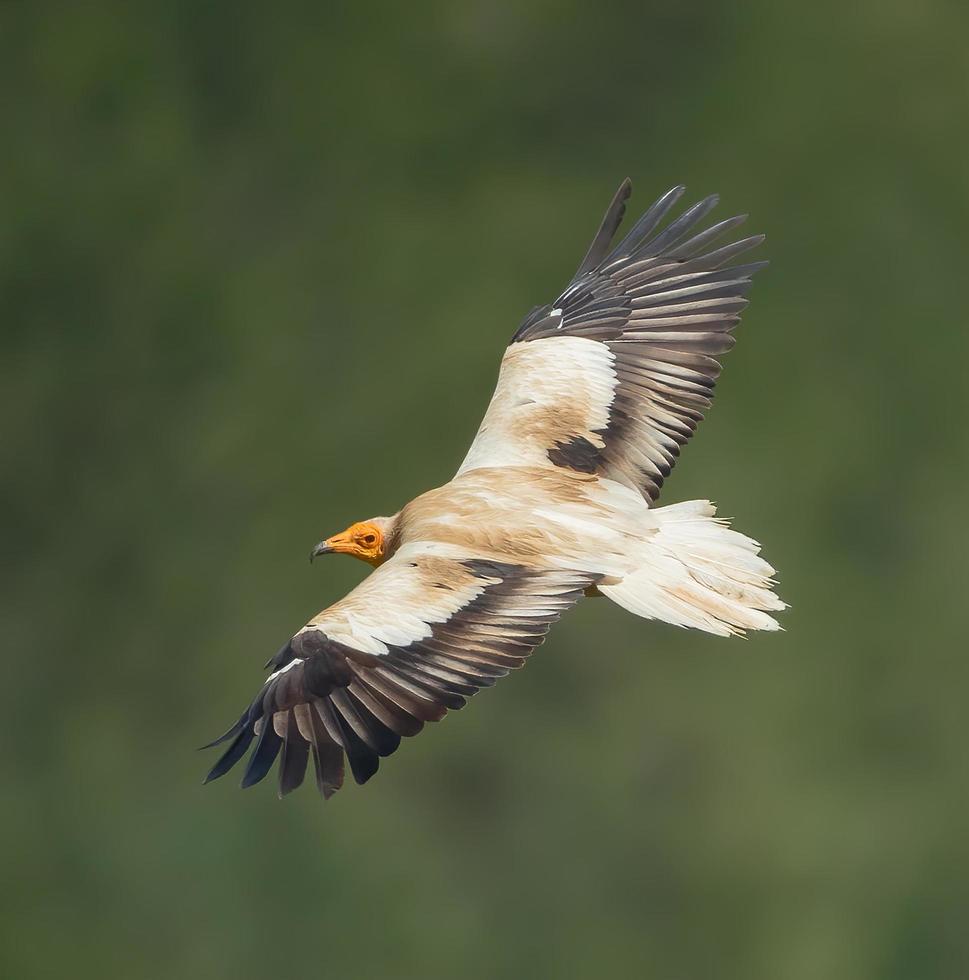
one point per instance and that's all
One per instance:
(418, 636)
(613, 378)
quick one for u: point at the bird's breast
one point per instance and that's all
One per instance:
(527, 516)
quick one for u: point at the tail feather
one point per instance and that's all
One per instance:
(697, 572)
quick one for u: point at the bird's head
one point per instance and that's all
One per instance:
(367, 540)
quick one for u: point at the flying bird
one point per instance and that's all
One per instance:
(555, 500)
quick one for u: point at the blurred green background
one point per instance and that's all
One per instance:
(258, 267)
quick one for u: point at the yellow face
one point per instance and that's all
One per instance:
(363, 540)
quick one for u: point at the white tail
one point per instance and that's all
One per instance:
(694, 571)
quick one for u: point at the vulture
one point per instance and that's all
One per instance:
(555, 500)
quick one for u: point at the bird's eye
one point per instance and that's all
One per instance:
(369, 538)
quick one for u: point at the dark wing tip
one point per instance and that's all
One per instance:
(607, 229)
(263, 755)
(231, 755)
(295, 756)
(646, 224)
(226, 735)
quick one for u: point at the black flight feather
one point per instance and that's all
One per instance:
(263, 755)
(610, 222)
(292, 764)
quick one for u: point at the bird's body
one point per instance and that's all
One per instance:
(595, 396)
(523, 515)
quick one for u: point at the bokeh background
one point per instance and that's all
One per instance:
(258, 266)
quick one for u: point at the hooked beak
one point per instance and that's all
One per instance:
(321, 549)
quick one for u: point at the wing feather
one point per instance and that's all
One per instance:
(331, 695)
(613, 377)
